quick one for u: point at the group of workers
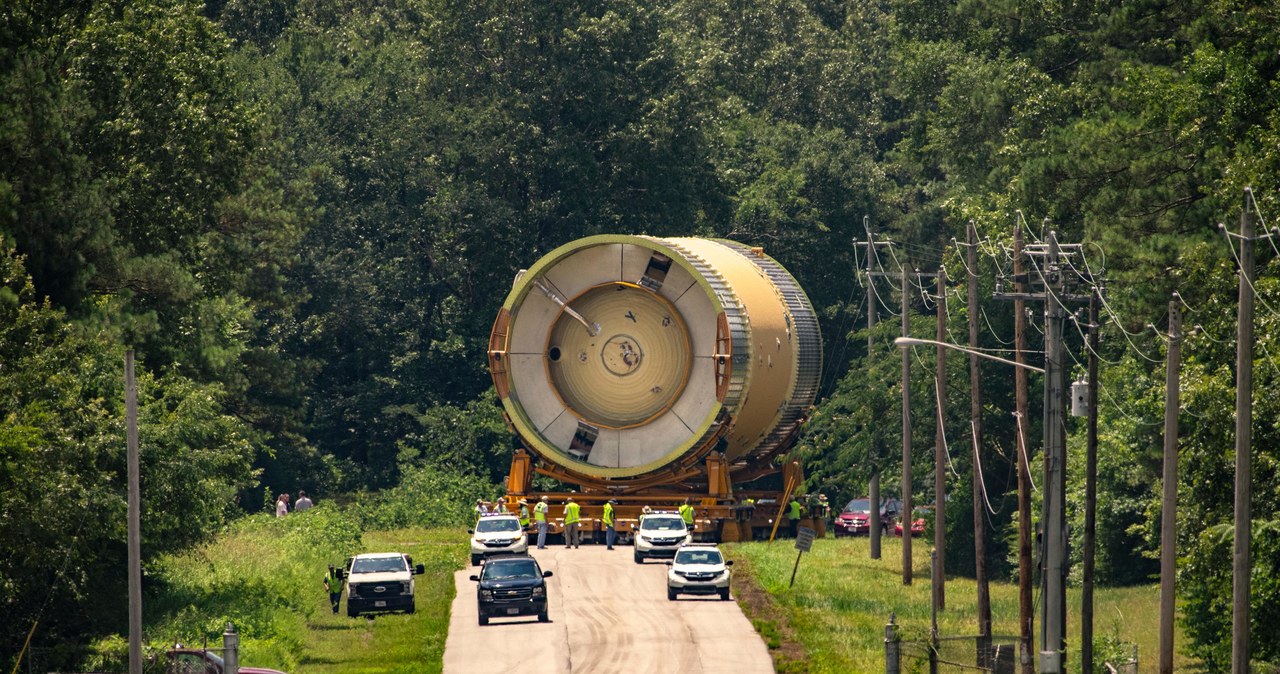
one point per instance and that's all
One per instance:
(805, 506)
(795, 511)
(572, 518)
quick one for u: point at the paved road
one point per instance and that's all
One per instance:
(608, 615)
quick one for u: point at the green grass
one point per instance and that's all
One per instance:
(392, 643)
(265, 576)
(842, 599)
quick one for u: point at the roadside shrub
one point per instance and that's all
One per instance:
(425, 497)
(1206, 586)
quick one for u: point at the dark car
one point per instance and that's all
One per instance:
(511, 586)
(855, 518)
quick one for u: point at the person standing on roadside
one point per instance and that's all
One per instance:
(303, 503)
(333, 585)
(793, 516)
(524, 514)
(282, 505)
(609, 532)
(540, 516)
(572, 537)
(686, 512)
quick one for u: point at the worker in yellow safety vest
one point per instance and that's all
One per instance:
(572, 536)
(793, 515)
(333, 585)
(540, 516)
(610, 534)
(686, 512)
(524, 514)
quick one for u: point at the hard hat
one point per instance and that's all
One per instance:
(544, 497)
(523, 502)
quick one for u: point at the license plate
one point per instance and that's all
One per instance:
(379, 604)
(513, 611)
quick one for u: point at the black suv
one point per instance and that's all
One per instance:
(510, 586)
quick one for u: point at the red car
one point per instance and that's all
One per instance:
(854, 520)
(917, 523)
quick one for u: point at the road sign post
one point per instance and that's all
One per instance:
(804, 543)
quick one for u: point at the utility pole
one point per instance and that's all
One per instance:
(1053, 292)
(1090, 491)
(975, 425)
(135, 517)
(939, 458)
(1244, 441)
(1168, 509)
(873, 488)
(1053, 580)
(1024, 456)
(906, 430)
(906, 427)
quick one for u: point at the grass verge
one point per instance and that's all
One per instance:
(833, 619)
(264, 575)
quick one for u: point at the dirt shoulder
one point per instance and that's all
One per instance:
(770, 621)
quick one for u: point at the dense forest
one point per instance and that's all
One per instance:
(304, 216)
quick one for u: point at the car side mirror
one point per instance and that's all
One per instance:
(420, 569)
(547, 574)
(339, 574)
(669, 563)
(476, 578)
(471, 531)
(729, 563)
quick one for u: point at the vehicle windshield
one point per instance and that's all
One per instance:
(495, 524)
(699, 557)
(377, 564)
(662, 524)
(858, 505)
(515, 569)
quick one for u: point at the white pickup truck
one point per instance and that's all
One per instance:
(380, 582)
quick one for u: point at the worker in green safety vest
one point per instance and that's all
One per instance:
(572, 516)
(686, 512)
(610, 534)
(540, 516)
(524, 514)
(793, 515)
(333, 585)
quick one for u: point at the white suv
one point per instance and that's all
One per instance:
(379, 582)
(498, 534)
(698, 569)
(659, 535)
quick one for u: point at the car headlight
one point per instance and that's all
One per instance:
(540, 591)
(486, 595)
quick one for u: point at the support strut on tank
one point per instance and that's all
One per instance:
(593, 329)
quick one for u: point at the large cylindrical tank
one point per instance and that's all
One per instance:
(629, 359)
